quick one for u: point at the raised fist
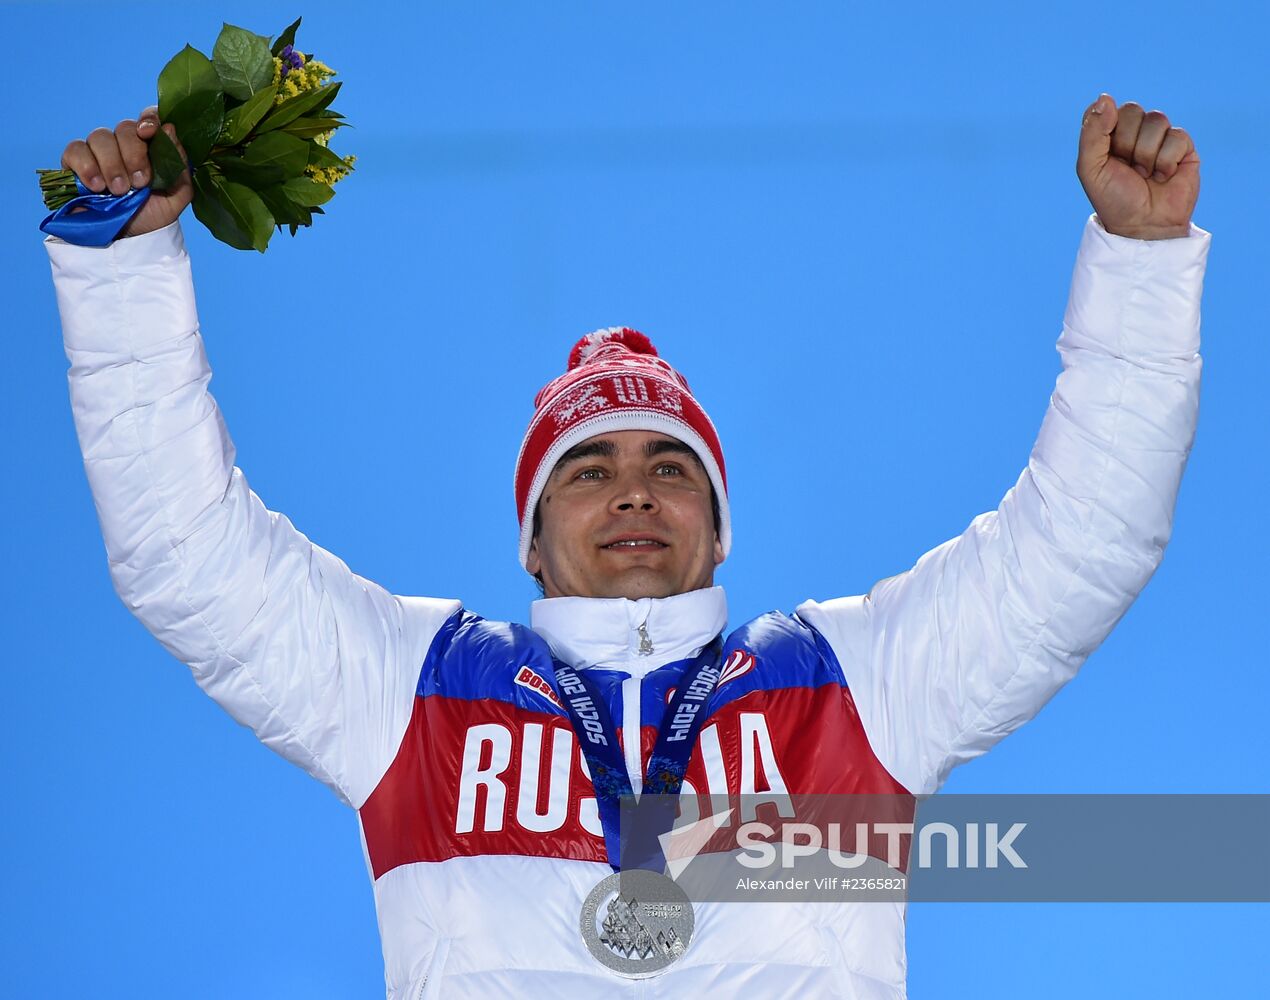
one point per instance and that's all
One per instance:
(118, 160)
(1141, 175)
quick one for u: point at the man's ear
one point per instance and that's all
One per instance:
(718, 550)
(532, 561)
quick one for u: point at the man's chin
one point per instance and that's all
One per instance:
(640, 583)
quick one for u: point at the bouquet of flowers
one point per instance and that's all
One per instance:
(255, 122)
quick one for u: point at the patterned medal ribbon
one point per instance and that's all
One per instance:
(676, 738)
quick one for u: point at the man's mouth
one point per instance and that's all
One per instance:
(635, 543)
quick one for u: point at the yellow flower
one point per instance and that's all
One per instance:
(332, 175)
(315, 71)
(312, 75)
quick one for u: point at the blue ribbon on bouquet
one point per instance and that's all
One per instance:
(104, 217)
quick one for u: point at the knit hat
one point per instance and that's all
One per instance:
(615, 382)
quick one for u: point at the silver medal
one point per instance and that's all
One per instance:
(637, 923)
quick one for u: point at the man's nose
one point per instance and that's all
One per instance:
(634, 492)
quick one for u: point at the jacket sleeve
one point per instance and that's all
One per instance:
(319, 662)
(951, 656)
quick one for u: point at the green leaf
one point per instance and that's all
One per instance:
(309, 128)
(166, 165)
(307, 192)
(286, 38)
(209, 211)
(277, 149)
(198, 121)
(188, 74)
(247, 210)
(321, 156)
(242, 61)
(316, 211)
(330, 90)
(292, 108)
(269, 159)
(233, 167)
(283, 209)
(239, 122)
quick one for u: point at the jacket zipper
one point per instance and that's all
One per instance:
(434, 966)
(631, 721)
(631, 724)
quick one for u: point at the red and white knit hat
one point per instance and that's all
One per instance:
(615, 382)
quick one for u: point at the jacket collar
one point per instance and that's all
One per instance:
(605, 632)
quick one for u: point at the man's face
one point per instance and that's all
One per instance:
(626, 514)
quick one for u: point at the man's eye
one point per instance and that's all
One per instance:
(590, 474)
(669, 468)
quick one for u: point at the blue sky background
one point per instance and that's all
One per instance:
(853, 229)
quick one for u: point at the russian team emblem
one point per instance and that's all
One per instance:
(738, 663)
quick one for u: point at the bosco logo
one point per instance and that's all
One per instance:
(531, 679)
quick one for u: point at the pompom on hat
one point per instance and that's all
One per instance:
(615, 382)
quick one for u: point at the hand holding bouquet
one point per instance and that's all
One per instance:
(252, 124)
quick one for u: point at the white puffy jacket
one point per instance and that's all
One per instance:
(941, 661)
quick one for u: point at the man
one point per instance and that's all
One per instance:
(474, 751)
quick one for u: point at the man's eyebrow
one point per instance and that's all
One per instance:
(666, 446)
(588, 449)
(607, 449)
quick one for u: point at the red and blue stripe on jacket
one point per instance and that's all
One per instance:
(489, 763)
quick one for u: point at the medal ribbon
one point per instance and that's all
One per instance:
(102, 219)
(676, 738)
